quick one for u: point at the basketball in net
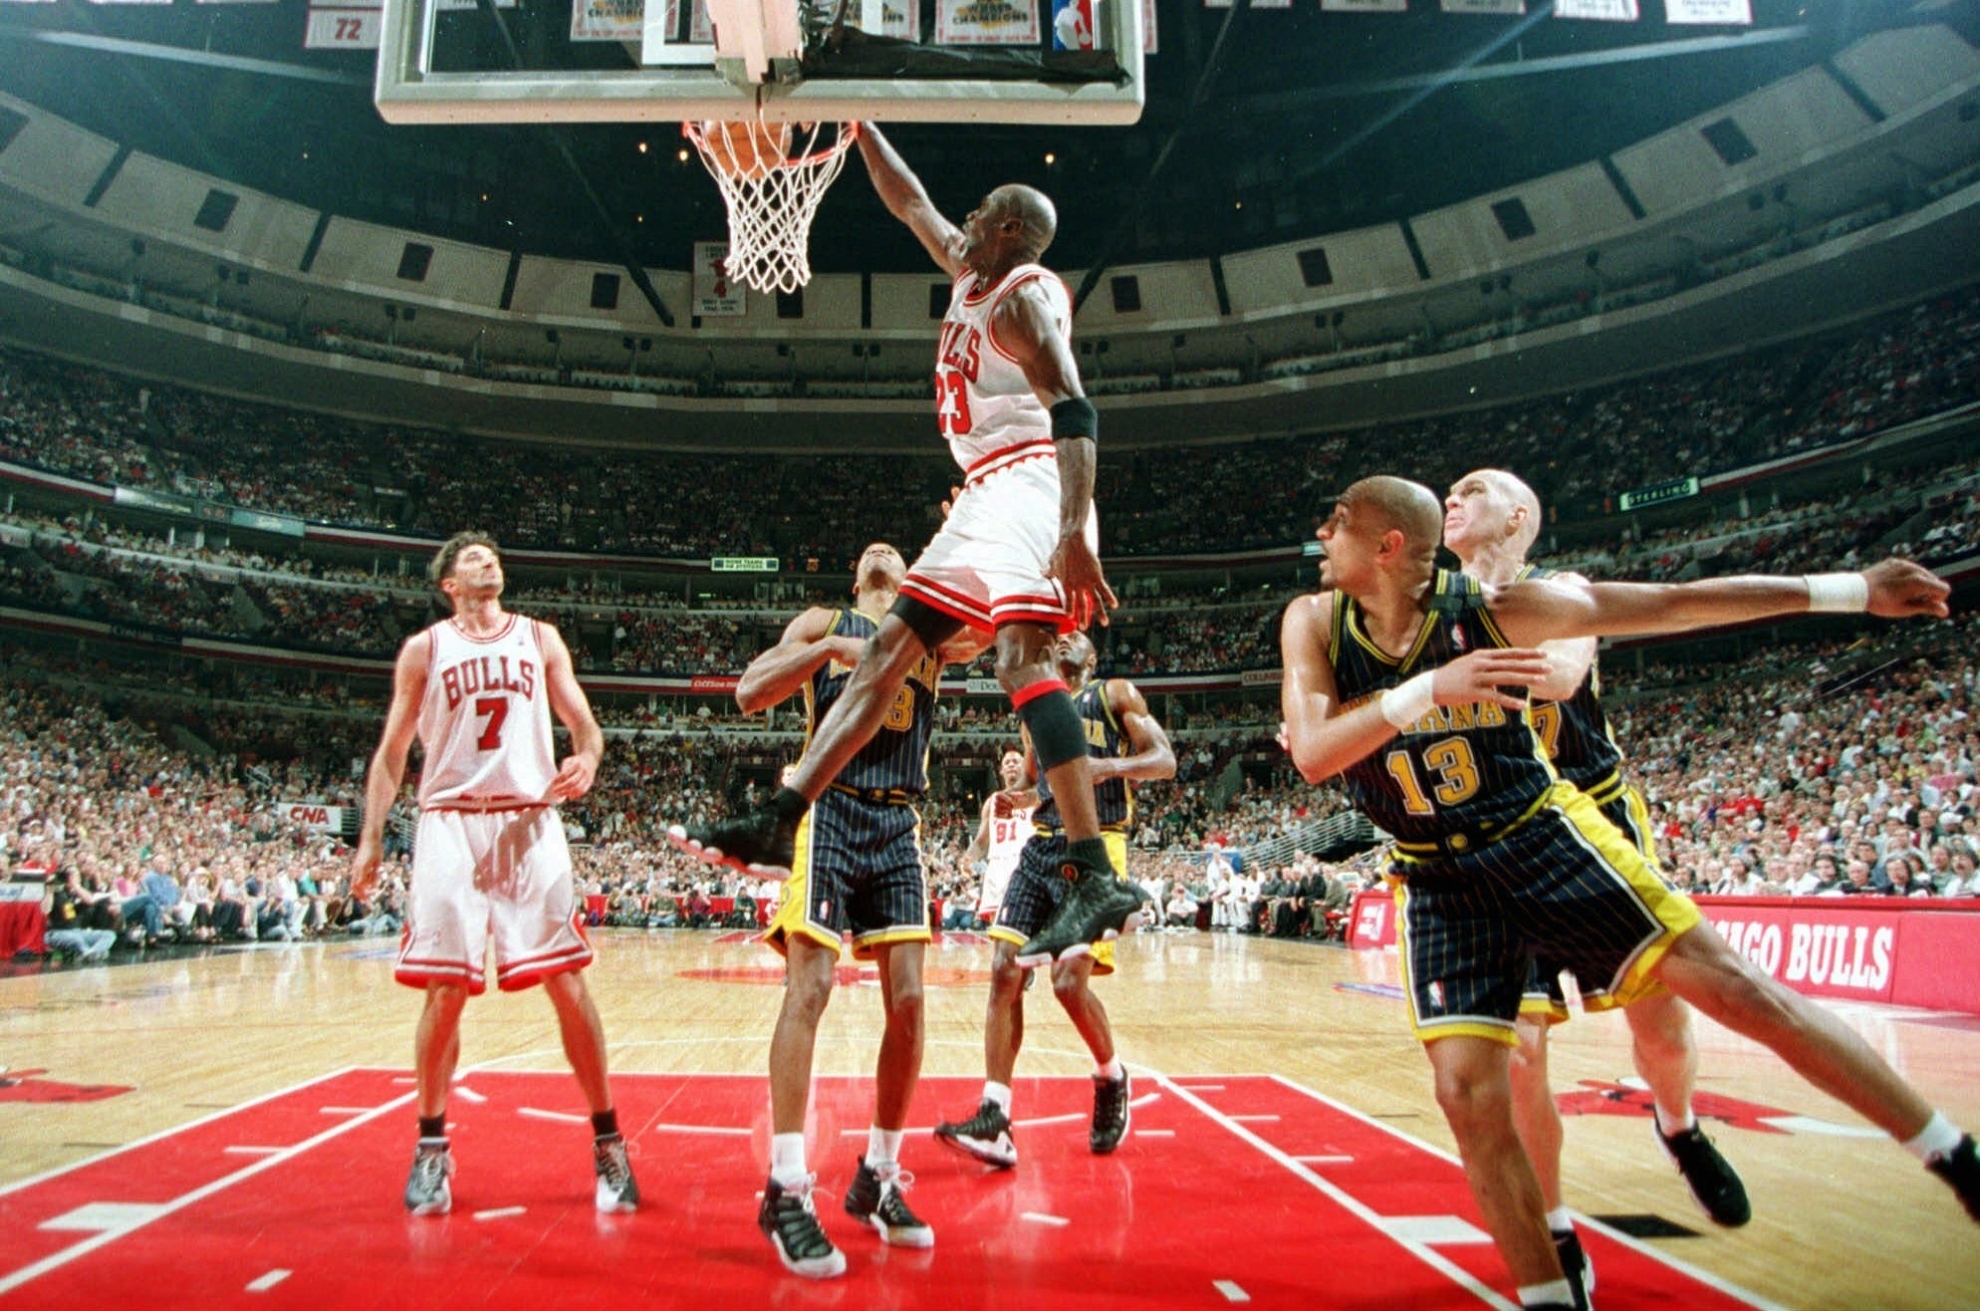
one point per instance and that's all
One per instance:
(772, 176)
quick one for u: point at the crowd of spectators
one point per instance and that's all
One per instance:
(1578, 449)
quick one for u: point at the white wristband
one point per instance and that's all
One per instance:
(1402, 706)
(1847, 594)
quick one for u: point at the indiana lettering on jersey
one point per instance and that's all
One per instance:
(488, 674)
(959, 349)
(1447, 719)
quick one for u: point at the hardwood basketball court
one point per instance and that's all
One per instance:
(234, 1128)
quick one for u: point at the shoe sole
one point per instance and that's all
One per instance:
(923, 1237)
(1078, 949)
(612, 1204)
(677, 836)
(433, 1208)
(968, 1147)
(822, 1267)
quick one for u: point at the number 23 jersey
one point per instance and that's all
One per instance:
(983, 402)
(1459, 769)
(485, 719)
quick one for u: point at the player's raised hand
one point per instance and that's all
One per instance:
(1077, 569)
(574, 778)
(1900, 589)
(1487, 676)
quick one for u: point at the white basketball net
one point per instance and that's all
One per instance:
(771, 207)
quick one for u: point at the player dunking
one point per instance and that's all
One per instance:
(489, 857)
(1000, 836)
(1017, 553)
(856, 870)
(1127, 745)
(1491, 520)
(1397, 679)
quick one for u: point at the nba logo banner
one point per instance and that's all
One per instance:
(1072, 24)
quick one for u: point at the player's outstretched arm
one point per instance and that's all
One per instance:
(388, 763)
(907, 200)
(1545, 609)
(807, 643)
(1568, 662)
(1152, 758)
(573, 709)
(1026, 328)
(1324, 738)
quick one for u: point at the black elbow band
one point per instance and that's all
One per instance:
(1075, 417)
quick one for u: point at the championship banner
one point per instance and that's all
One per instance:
(608, 20)
(1602, 11)
(1718, 13)
(900, 19)
(1505, 8)
(986, 22)
(309, 815)
(715, 294)
(1364, 6)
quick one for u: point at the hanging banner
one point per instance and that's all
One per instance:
(716, 295)
(1365, 6)
(986, 22)
(1149, 45)
(1719, 13)
(608, 20)
(1602, 11)
(1507, 8)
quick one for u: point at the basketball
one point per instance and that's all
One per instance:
(745, 149)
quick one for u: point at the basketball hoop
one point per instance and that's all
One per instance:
(772, 185)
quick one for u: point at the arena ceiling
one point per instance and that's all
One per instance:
(1284, 125)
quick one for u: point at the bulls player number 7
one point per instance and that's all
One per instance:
(497, 710)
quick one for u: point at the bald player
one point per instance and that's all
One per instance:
(1410, 683)
(1017, 554)
(1491, 520)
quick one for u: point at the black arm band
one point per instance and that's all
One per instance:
(1075, 417)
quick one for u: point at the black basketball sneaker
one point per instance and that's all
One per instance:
(875, 1199)
(759, 843)
(1100, 906)
(790, 1221)
(985, 1136)
(1111, 1112)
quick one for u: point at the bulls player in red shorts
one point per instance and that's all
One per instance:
(489, 859)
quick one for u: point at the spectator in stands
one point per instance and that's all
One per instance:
(1180, 912)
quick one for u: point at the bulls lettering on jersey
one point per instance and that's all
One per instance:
(983, 402)
(485, 719)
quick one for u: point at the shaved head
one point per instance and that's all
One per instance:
(1397, 503)
(1520, 497)
(1034, 210)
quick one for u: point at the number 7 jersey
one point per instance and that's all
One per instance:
(1460, 769)
(485, 719)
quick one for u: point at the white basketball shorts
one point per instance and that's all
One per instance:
(986, 566)
(481, 876)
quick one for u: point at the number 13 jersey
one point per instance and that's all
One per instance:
(983, 404)
(1460, 769)
(485, 720)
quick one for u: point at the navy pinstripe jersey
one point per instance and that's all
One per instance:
(1458, 768)
(896, 760)
(1576, 731)
(1114, 799)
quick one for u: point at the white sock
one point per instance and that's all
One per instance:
(1559, 1221)
(1111, 1070)
(787, 1159)
(1938, 1138)
(883, 1146)
(1671, 1125)
(1557, 1293)
(999, 1093)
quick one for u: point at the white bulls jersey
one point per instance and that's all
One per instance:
(1008, 834)
(983, 404)
(485, 722)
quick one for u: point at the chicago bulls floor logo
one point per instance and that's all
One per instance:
(23, 1086)
(1631, 1098)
